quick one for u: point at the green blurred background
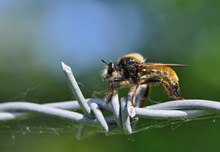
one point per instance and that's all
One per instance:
(35, 36)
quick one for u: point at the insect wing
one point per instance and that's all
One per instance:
(167, 64)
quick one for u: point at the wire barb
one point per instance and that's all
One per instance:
(75, 88)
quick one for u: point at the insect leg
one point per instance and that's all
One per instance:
(133, 93)
(109, 93)
(153, 80)
(145, 95)
(112, 84)
(150, 81)
(172, 90)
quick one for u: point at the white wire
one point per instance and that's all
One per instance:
(122, 114)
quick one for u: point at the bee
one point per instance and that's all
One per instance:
(132, 69)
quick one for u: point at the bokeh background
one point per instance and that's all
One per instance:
(35, 36)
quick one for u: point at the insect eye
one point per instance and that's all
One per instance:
(110, 68)
(130, 61)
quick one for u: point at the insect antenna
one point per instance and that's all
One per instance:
(104, 62)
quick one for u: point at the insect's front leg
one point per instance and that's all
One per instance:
(112, 85)
(110, 92)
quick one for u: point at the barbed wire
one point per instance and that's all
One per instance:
(123, 114)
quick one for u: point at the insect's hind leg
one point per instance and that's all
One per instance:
(172, 90)
(150, 81)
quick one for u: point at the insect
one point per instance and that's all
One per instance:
(132, 69)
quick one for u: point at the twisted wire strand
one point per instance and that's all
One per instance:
(124, 115)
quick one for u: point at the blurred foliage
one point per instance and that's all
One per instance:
(181, 31)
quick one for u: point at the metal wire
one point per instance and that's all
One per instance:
(123, 114)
